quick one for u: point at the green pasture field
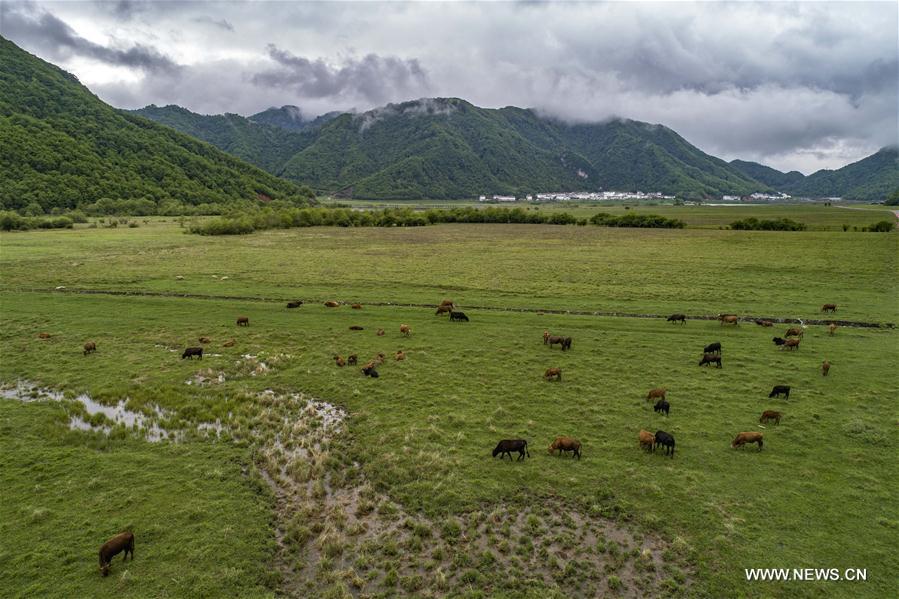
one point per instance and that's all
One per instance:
(819, 495)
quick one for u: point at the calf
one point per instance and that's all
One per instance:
(712, 348)
(831, 328)
(331, 304)
(114, 546)
(339, 361)
(507, 446)
(770, 416)
(794, 332)
(458, 316)
(545, 337)
(90, 347)
(400, 356)
(656, 393)
(764, 323)
(666, 439)
(356, 306)
(829, 308)
(553, 374)
(295, 304)
(356, 327)
(778, 341)
(711, 359)
(190, 352)
(825, 368)
(750, 437)
(647, 441)
(791, 343)
(406, 330)
(729, 319)
(779, 390)
(566, 444)
(662, 406)
(243, 321)
(204, 340)
(380, 333)
(681, 318)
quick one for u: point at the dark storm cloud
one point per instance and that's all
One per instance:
(373, 78)
(33, 27)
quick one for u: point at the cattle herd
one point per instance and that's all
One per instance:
(711, 354)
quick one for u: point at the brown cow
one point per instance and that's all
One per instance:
(400, 355)
(90, 347)
(563, 342)
(750, 437)
(121, 542)
(356, 306)
(794, 332)
(831, 328)
(352, 359)
(545, 337)
(406, 330)
(243, 321)
(791, 343)
(770, 415)
(43, 335)
(764, 323)
(443, 310)
(339, 361)
(553, 374)
(829, 308)
(380, 332)
(379, 359)
(449, 303)
(825, 368)
(647, 441)
(356, 327)
(204, 339)
(228, 343)
(566, 444)
(729, 319)
(656, 394)
(331, 304)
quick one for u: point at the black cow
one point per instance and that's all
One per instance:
(681, 318)
(459, 316)
(370, 372)
(663, 438)
(507, 446)
(779, 390)
(295, 304)
(713, 348)
(190, 352)
(662, 406)
(778, 341)
(710, 359)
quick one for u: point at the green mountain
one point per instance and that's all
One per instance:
(871, 179)
(62, 147)
(291, 118)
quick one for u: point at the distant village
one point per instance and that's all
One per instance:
(598, 196)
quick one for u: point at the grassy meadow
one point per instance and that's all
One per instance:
(406, 499)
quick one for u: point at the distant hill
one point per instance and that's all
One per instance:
(62, 146)
(871, 179)
(291, 118)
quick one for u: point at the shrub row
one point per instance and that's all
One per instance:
(13, 221)
(754, 224)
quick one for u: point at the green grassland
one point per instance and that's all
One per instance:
(819, 494)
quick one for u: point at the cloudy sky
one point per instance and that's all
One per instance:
(793, 85)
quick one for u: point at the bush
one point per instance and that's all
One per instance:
(884, 226)
(11, 221)
(649, 221)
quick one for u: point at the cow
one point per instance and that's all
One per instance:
(564, 342)
(778, 340)
(681, 318)
(356, 327)
(406, 330)
(190, 352)
(545, 337)
(121, 542)
(356, 306)
(825, 368)
(204, 340)
(553, 374)
(443, 310)
(228, 343)
(770, 416)
(750, 437)
(507, 446)
(458, 316)
(662, 406)
(656, 393)
(647, 441)
(331, 304)
(566, 444)
(764, 323)
(43, 335)
(369, 370)
(831, 328)
(791, 343)
(829, 308)
(712, 348)
(295, 304)
(243, 321)
(90, 347)
(339, 361)
(729, 319)
(794, 332)
(666, 439)
(400, 356)
(352, 359)
(449, 303)
(380, 333)
(710, 359)
(779, 390)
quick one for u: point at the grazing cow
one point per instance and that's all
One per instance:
(331, 304)
(711, 359)
(656, 393)
(647, 441)
(666, 439)
(380, 333)
(729, 319)
(356, 306)
(90, 347)
(681, 318)
(712, 348)
(778, 340)
(190, 352)
(204, 340)
(352, 359)
(825, 368)
(43, 335)
(566, 444)
(553, 374)
(295, 304)
(794, 332)
(458, 316)
(662, 406)
(545, 337)
(406, 330)
(243, 321)
(400, 356)
(791, 343)
(764, 323)
(779, 390)
(369, 370)
(339, 361)
(831, 328)
(449, 303)
(750, 437)
(770, 416)
(829, 308)
(507, 446)
(228, 343)
(121, 542)
(443, 310)
(564, 342)
(380, 357)
(356, 327)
